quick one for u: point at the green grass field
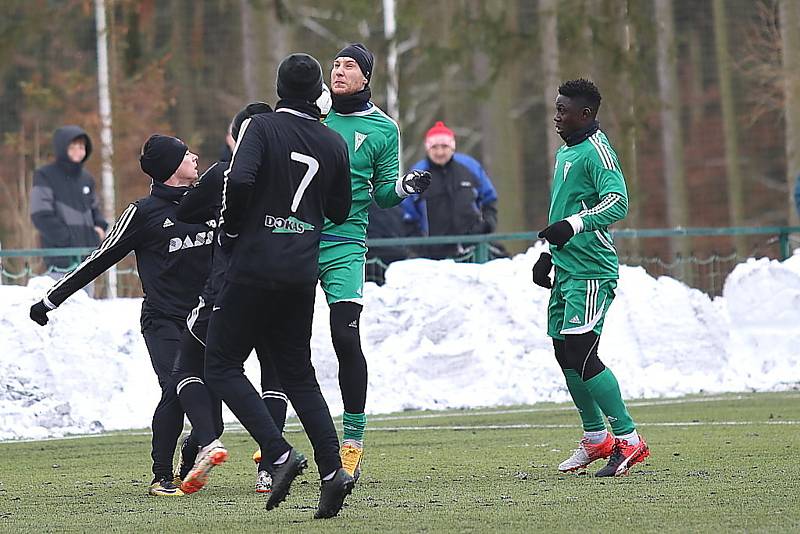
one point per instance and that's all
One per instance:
(722, 463)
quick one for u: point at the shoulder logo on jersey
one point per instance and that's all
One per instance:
(200, 239)
(575, 320)
(289, 225)
(567, 165)
(360, 137)
(167, 223)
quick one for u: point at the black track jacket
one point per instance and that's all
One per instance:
(288, 172)
(173, 258)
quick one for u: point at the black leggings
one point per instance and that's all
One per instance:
(162, 335)
(352, 364)
(579, 352)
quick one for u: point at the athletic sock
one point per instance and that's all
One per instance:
(604, 388)
(276, 402)
(197, 404)
(596, 437)
(589, 411)
(354, 425)
(632, 438)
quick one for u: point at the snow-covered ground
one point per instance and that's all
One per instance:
(437, 335)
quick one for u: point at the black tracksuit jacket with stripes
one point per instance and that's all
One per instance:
(202, 203)
(173, 257)
(288, 172)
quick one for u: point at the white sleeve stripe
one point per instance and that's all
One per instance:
(242, 129)
(116, 233)
(608, 163)
(604, 205)
(604, 149)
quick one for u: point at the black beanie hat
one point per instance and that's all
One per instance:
(253, 108)
(363, 57)
(300, 77)
(161, 156)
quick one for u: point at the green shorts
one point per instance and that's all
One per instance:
(578, 306)
(341, 270)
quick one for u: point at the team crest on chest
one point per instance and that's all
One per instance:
(360, 137)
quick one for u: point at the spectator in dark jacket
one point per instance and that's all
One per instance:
(64, 207)
(384, 223)
(461, 199)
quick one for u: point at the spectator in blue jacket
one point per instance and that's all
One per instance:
(461, 199)
(797, 194)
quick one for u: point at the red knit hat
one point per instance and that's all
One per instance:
(440, 135)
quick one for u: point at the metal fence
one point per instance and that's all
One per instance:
(712, 254)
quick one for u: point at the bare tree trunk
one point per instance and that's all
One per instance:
(274, 48)
(392, 71)
(625, 86)
(790, 35)
(181, 73)
(248, 50)
(548, 30)
(503, 140)
(733, 172)
(671, 135)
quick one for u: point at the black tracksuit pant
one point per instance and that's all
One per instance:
(202, 407)
(162, 335)
(282, 319)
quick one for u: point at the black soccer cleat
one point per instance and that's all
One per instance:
(332, 493)
(283, 475)
(186, 460)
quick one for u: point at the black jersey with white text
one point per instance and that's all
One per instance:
(288, 173)
(173, 257)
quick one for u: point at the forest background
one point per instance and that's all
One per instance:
(701, 98)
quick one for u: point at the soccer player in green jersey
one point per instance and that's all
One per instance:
(588, 195)
(373, 142)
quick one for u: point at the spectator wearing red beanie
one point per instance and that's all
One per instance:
(461, 199)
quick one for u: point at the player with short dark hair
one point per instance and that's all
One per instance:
(288, 174)
(173, 259)
(588, 195)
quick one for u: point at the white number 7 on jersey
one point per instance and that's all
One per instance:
(313, 167)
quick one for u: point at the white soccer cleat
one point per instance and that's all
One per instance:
(209, 456)
(587, 453)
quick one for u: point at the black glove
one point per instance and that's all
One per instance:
(541, 270)
(416, 181)
(39, 313)
(558, 233)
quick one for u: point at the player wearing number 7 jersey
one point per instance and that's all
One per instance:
(287, 175)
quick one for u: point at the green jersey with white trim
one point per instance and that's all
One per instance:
(373, 143)
(588, 185)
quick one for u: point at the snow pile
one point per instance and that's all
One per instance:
(437, 335)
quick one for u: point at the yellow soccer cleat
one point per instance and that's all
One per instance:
(164, 487)
(351, 459)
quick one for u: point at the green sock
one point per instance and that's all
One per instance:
(354, 425)
(605, 391)
(590, 412)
